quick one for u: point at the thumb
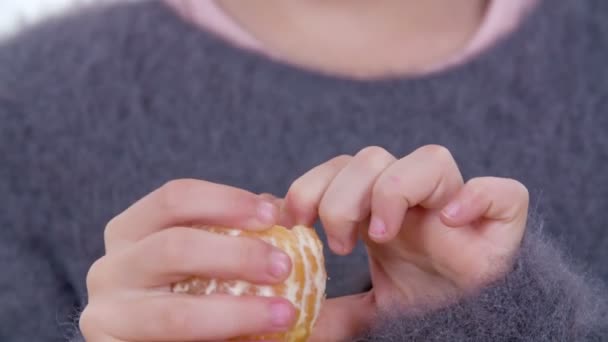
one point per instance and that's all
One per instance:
(343, 318)
(490, 198)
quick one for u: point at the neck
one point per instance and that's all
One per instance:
(360, 37)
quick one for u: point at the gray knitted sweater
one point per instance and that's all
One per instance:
(97, 109)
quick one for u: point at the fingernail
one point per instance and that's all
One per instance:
(279, 264)
(377, 227)
(267, 213)
(452, 209)
(281, 314)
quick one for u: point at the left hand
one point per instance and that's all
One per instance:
(430, 236)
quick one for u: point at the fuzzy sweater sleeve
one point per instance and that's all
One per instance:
(543, 298)
(38, 301)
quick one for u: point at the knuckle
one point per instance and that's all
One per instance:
(95, 277)
(371, 151)
(437, 152)
(521, 193)
(172, 195)
(480, 189)
(301, 194)
(375, 157)
(480, 185)
(521, 190)
(88, 322)
(341, 159)
(111, 231)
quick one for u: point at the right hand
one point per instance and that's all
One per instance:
(150, 246)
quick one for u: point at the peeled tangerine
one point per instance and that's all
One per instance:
(305, 286)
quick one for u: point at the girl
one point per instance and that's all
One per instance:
(414, 132)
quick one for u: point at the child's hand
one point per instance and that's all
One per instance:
(148, 247)
(429, 235)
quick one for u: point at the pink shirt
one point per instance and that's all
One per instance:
(501, 17)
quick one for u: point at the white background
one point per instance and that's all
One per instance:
(14, 13)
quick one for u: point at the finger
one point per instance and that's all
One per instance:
(191, 318)
(489, 198)
(346, 201)
(303, 197)
(182, 202)
(177, 253)
(428, 177)
(343, 318)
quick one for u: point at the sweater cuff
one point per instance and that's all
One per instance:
(542, 298)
